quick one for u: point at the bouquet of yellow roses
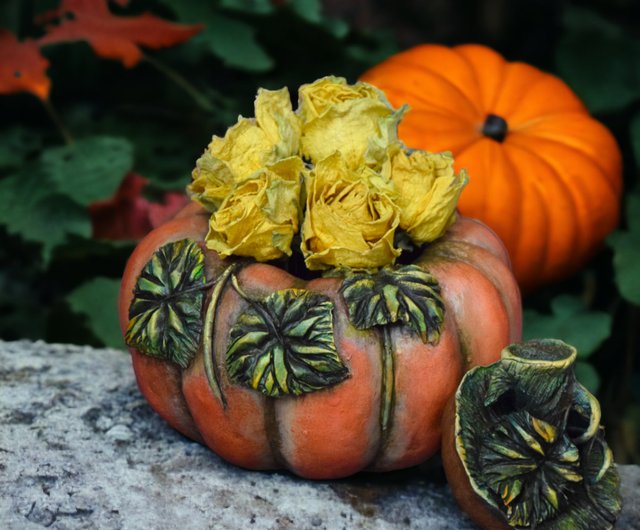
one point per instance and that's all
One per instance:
(333, 173)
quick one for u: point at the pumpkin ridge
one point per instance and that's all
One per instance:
(584, 185)
(578, 235)
(466, 255)
(464, 50)
(436, 73)
(505, 89)
(522, 243)
(474, 74)
(615, 189)
(406, 89)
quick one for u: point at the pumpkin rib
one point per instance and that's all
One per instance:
(458, 68)
(472, 53)
(346, 414)
(489, 170)
(461, 139)
(494, 268)
(565, 142)
(415, 425)
(565, 233)
(411, 87)
(458, 279)
(481, 108)
(445, 80)
(599, 206)
(585, 158)
(521, 93)
(526, 267)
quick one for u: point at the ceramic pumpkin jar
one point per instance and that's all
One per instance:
(323, 330)
(544, 175)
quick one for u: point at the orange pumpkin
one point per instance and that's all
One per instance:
(384, 410)
(544, 174)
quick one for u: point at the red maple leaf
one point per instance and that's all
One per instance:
(22, 67)
(128, 215)
(111, 36)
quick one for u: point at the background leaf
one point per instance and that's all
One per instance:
(52, 216)
(626, 246)
(571, 322)
(97, 301)
(599, 60)
(89, 169)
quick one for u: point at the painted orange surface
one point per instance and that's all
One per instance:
(550, 189)
(337, 431)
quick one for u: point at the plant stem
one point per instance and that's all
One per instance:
(387, 381)
(55, 117)
(198, 97)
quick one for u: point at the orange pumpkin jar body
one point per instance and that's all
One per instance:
(385, 414)
(544, 175)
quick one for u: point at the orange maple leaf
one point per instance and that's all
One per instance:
(22, 67)
(111, 36)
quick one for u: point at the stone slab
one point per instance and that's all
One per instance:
(81, 449)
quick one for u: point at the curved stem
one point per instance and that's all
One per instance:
(209, 321)
(55, 118)
(198, 97)
(388, 373)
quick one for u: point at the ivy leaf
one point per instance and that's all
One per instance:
(97, 300)
(570, 322)
(22, 67)
(599, 60)
(230, 40)
(89, 169)
(254, 7)
(165, 316)
(588, 376)
(626, 247)
(284, 345)
(111, 36)
(31, 208)
(16, 144)
(635, 138)
(408, 295)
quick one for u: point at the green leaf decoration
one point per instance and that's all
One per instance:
(538, 458)
(591, 40)
(97, 300)
(165, 316)
(284, 344)
(626, 247)
(407, 295)
(571, 322)
(90, 169)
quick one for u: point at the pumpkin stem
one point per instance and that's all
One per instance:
(495, 127)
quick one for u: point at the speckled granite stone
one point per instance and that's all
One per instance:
(81, 449)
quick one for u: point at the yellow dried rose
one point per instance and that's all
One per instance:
(348, 221)
(247, 147)
(356, 120)
(427, 191)
(260, 216)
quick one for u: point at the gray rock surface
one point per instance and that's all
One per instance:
(81, 449)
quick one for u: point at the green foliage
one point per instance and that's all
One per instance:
(89, 169)
(571, 322)
(626, 245)
(97, 300)
(599, 60)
